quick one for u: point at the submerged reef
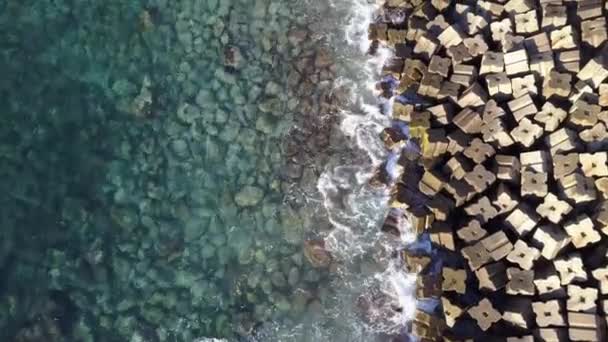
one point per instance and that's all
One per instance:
(159, 159)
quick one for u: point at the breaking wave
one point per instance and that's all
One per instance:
(371, 273)
(373, 292)
(371, 277)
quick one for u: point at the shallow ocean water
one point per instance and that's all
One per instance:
(164, 162)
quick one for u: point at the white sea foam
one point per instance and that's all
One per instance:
(356, 210)
(368, 269)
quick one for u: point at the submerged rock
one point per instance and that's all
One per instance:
(232, 57)
(270, 105)
(292, 226)
(323, 59)
(283, 305)
(265, 123)
(316, 254)
(188, 113)
(278, 279)
(272, 89)
(249, 196)
(46, 329)
(142, 104)
(180, 147)
(124, 88)
(193, 229)
(293, 277)
(126, 218)
(174, 187)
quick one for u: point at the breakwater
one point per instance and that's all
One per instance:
(506, 192)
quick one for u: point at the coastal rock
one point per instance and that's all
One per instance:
(278, 279)
(270, 105)
(300, 300)
(323, 59)
(297, 36)
(232, 57)
(266, 286)
(246, 257)
(292, 225)
(293, 277)
(221, 117)
(125, 217)
(316, 254)
(142, 103)
(272, 265)
(179, 147)
(188, 113)
(253, 280)
(283, 305)
(260, 256)
(212, 4)
(204, 98)
(272, 89)
(249, 196)
(193, 230)
(265, 123)
(207, 251)
(124, 88)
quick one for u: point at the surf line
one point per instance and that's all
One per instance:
(405, 140)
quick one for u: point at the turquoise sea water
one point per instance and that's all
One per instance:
(164, 162)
